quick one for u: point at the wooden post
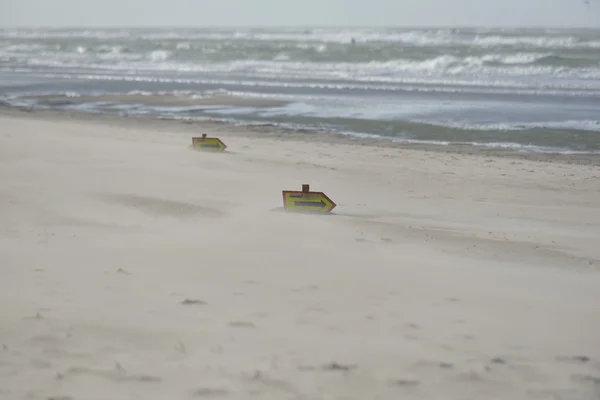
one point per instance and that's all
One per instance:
(204, 136)
(306, 188)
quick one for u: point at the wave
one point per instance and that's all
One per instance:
(407, 37)
(491, 65)
(575, 125)
(293, 59)
(407, 84)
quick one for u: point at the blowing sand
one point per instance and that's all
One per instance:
(135, 268)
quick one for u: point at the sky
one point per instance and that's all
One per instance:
(206, 13)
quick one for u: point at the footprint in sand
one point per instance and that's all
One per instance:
(405, 382)
(578, 359)
(188, 302)
(334, 366)
(210, 392)
(264, 380)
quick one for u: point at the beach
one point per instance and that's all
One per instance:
(134, 267)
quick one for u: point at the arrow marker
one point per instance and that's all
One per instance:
(208, 143)
(319, 204)
(306, 200)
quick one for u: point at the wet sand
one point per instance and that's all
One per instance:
(166, 100)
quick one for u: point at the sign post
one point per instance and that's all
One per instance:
(208, 143)
(307, 201)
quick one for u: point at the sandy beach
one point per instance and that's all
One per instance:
(133, 267)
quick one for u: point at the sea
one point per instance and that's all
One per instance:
(529, 90)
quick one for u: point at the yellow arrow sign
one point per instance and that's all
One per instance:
(307, 201)
(208, 143)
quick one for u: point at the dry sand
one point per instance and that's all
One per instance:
(135, 268)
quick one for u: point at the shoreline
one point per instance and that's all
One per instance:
(272, 132)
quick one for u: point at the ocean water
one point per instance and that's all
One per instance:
(522, 89)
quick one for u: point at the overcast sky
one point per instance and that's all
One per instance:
(199, 13)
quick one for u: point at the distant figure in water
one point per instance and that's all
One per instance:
(353, 41)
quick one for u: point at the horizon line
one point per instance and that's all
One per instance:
(409, 26)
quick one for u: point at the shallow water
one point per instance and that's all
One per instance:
(530, 90)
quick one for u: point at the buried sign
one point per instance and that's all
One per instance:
(306, 200)
(208, 143)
